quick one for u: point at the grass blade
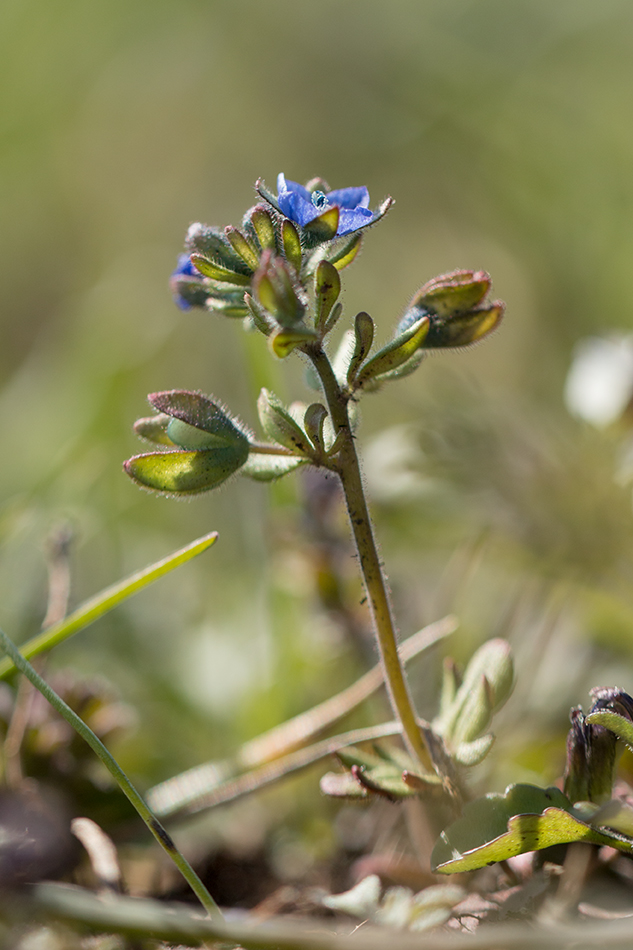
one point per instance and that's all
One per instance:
(102, 603)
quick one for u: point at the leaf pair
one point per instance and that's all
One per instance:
(208, 445)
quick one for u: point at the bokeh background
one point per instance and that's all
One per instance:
(504, 131)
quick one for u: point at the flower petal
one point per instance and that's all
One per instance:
(349, 197)
(284, 186)
(297, 208)
(353, 219)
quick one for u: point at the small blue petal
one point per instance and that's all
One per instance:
(352, 220)
(292, 187)
(185, 267)
(298, 204)
(349, 197)
(298, 208)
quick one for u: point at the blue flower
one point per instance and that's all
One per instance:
(302, 206)
(193, 288)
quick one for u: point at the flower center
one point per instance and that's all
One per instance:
(319, 200)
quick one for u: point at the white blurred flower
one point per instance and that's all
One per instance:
(599, 384)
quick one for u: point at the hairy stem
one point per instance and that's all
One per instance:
(348, 470)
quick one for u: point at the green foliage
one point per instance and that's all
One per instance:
(525, 818)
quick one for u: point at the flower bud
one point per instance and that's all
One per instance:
(211, 445)
(196, 422)
(276, 291)
(464, 328)
(453, 293)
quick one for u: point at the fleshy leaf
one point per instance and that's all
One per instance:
(267, 195)
(261, 222)
(322, 228)
(154, 429)
(472, 753)
(261, 318)
(279, 425)
(211, 423)
(216, 272)
(346, 252)
(313, 422)
(327, 287)
(333, 318)
(623, 728)
(285, 340)
(185, 473)
(463, 329)
(275, 286)
(267, 468)
(242, 247)
(525, 818)
(453, 293)
(291, 244)
(394, 354)
(363, 339)
(475, 702)
(211, 243)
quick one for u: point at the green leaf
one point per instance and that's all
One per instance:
(454, 293)
(322, 228)
(346, 251)
(465, 328)
(260, 220)
(363, 340)
(198, 423)
(242, 247)
(291, 244)
(261, 318)
(279, 425)
(211, 244)
(487, 683)
(286, 339)
(106, 601)
(267, 195)
(216, 272)
(405, 369)
(313, 421)
(498, 827)
(394, 354)
(327, 287)
(333, 318)
(472, 753)
(623, 728)
(185, 473)
(266, 468)
(154, 429)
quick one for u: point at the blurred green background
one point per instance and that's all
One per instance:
(503, 131)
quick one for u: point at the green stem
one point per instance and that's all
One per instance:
(156, 828)
(348, 470)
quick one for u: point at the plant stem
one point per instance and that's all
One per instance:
(348, 469)
(163, 838)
